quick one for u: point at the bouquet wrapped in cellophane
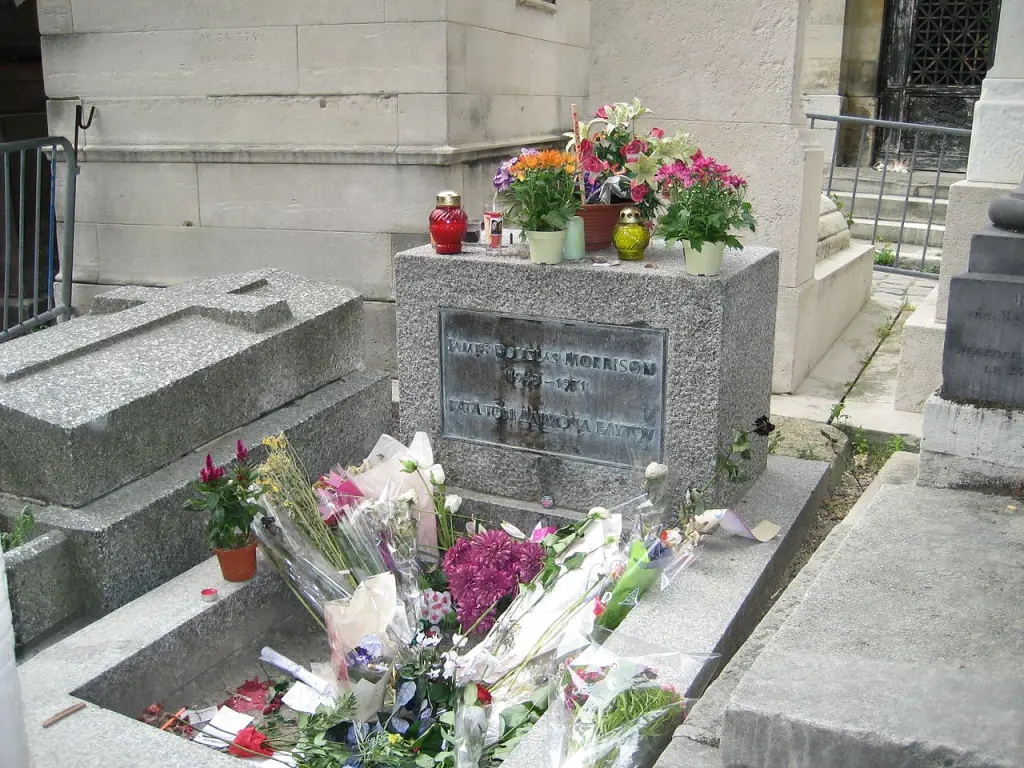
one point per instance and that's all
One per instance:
(612, 710)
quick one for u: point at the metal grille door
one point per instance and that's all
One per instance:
(934, 58)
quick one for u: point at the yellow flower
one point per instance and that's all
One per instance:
(394, 738)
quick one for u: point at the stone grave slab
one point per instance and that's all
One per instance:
(91, 560)
(566, 381)
(152, 373)
(905, 651)
(168, 642)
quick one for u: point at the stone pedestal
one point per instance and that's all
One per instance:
(973, 433)
(565, 381)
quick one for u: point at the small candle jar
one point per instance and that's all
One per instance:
(448, 223)
(630, 235)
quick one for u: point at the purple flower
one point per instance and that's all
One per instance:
(486, 568)
(503, 178)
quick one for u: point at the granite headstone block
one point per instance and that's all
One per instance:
(152, 373)
(983, 361)
(566, 381)
(996, 251)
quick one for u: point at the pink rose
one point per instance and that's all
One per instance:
(635, 148)
(592, 164)
(602, 112)
(638, 192)
(657, 133)
(586, 148)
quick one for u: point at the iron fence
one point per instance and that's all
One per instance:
(879, 191)
(28, 223)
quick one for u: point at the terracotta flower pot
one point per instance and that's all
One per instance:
(598, 222)
(237, 564)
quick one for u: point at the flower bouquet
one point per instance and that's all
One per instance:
(611, 710)
(541, 188)
(619, 167)
(706, 201)
(231, 502)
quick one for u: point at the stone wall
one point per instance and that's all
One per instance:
(308, 135)
(861, 52)
(733, 81)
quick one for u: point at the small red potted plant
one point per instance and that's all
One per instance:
(230, 501)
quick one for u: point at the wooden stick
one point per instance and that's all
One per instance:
(174, 718)
(64, 713)
(579, 153)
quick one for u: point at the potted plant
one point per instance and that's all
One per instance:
(230, 501)
(705, 203)
(619, 167)
(541, 189)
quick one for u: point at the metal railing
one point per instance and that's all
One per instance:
(894, 138)
(28, 224)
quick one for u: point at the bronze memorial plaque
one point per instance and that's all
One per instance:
(584, 390)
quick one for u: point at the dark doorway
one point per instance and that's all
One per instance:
(26, 269)
(935, 54)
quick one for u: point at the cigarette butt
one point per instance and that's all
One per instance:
(64, 713)
(174, 718)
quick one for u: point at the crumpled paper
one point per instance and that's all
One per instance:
(732, 523)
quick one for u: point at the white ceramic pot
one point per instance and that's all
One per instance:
(707, 261)
(546, 247)
(13, 744)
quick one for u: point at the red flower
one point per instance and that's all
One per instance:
(241, 452)
(592, 164)
(634, 149)
(587, 148)
(250, 742)
(483, 695)
(210, 473)
(638, 192)
(602, 112)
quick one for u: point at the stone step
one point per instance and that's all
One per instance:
(922, 183)
(891, 208)
(696, 742)
(913, 232)
(904, 651)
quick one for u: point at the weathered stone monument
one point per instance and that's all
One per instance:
(565, 382)
(104, 420)
(974, 426)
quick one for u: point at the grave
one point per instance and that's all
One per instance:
(563, 383)
(105, 421)
(168, 646)
(973, 435)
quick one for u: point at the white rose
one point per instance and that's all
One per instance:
(656, 471)
(409, 497)
(452, 502)
(600, 513)
(436, 475)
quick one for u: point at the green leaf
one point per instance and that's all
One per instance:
(424, 761)
(448, 718)
(575, 561)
